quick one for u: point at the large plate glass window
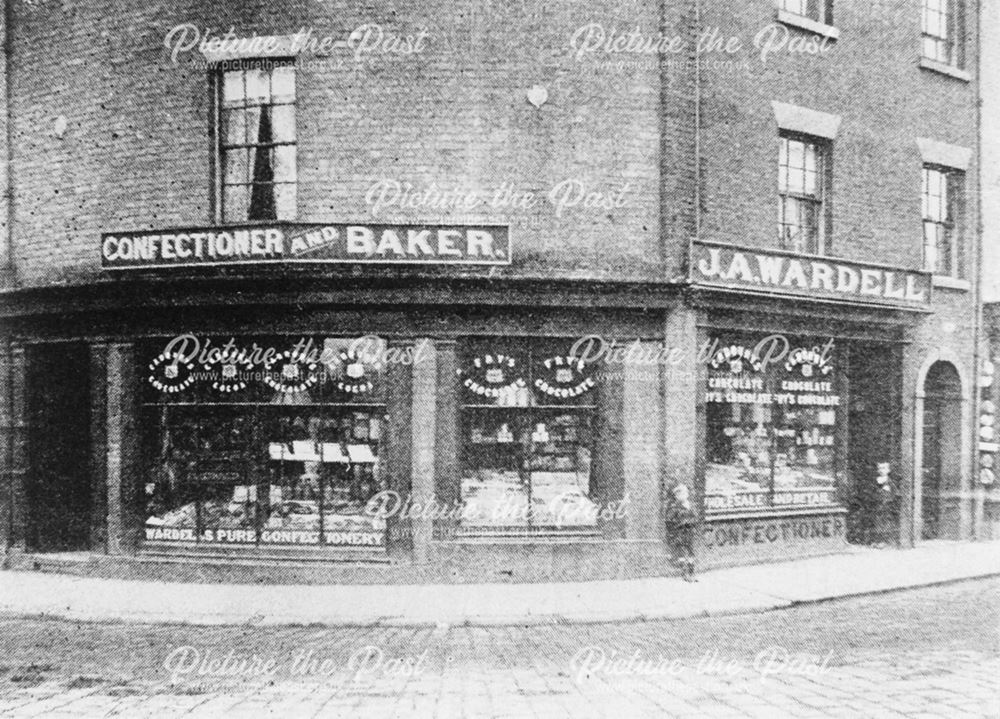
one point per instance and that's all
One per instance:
(527, 424)
(274, 443)
(772, 426)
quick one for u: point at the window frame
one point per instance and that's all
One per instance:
(774, 422)
(823, 10)
(218, 141)
(530, 351)
(821, 200)
(952, 41)
(954, 180)
(260, 411)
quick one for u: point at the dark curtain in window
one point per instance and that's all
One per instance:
(262, 196)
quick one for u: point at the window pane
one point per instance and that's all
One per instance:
(942, 207)
(284, 163)
(930, 246)
(258, 86)
(935, 195)
(235, 162)
(234, 127)
(262, 202)
(810, 157)
(796, 181)
(944, 251)
(283, 84)
(796, 153)
(810, 230)
(954, 188)
(285, 201)
(811, 186)
(283, 123)
(253, 115)
(925, 204)
(232, 88)
(236, 203)
(782, 163)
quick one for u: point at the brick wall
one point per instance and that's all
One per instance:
(135, 153)
(870, 77)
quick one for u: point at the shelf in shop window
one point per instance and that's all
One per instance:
(531, 406)
(265, 404)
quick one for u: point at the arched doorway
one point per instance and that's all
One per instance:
(941, 463)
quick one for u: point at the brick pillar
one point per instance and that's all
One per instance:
(8, 276)
(423, 437)
(447, 483)
(607, 481)
(681, 392)
(642, 420)
(98, 445)
(911, 447)
(397, 443)
(13, 433)
(122, 455)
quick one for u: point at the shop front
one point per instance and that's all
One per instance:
(269, 442)
(361, 426)
(262, 442)
(802, 404)
(452, 458)
(356, 430)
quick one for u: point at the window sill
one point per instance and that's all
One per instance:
(772, 512)
(804, 23)
(945, 69)
(951, 283)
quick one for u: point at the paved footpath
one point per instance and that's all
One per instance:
(931, 652)
(758, 588)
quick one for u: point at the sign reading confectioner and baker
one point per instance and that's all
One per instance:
(308, 243)
(735, 268)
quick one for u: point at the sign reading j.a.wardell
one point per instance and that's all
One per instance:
(307, 243)
(735, 268)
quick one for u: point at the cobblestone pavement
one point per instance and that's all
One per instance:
(926, 653)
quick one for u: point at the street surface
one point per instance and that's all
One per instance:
(932, 652)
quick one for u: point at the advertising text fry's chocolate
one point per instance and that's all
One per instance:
(308, 243)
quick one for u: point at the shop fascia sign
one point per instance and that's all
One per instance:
(301, 243)
(811, 277)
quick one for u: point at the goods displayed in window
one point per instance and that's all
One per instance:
(527, 430)
(273, 448)
(771, 425)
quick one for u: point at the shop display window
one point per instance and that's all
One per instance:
(527, 417)
(254, 449)
(772, 426)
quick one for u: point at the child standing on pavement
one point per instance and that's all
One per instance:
(681, 522)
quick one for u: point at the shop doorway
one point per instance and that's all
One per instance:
(942, 448)
(59, 483)
(874, 427)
